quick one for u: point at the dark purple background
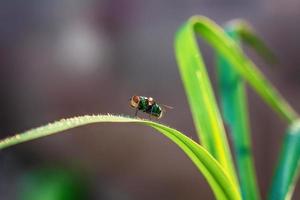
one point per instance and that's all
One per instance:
(60, 58)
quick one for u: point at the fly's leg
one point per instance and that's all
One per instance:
(136, 112)
(150, 113)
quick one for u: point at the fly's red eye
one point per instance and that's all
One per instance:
(136, 99)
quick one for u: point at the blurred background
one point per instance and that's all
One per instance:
(60, 58)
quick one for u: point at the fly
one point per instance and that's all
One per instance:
(147, 105)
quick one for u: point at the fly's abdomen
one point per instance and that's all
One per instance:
(156, 111)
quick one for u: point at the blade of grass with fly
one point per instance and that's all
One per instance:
(288, 168)
(216, 176)
(234, 105)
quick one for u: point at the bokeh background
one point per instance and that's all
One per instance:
(60, 58)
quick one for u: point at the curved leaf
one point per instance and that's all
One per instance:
(226, 47)
(201, 99)
(217, 177)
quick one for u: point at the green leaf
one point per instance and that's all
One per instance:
(227, 47)
(200, 95)
(217, 177)
(234, 105)
(249, 37)
(199, 92)
(288, 169)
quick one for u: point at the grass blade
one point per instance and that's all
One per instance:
(200, 95)
(249, 37)
(204, 110)
(288, 169)
(226, 47)
(217, 177)
(234, 105)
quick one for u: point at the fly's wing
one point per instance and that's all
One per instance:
(166, 106)
(163, 106)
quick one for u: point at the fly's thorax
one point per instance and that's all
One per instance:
(143, 104)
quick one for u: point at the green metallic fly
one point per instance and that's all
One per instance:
(147, 105)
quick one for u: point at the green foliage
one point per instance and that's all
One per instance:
(288, 168)
(214, 159)
(217, 177)
(50, 184)
(233, 98)
(200, 95)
